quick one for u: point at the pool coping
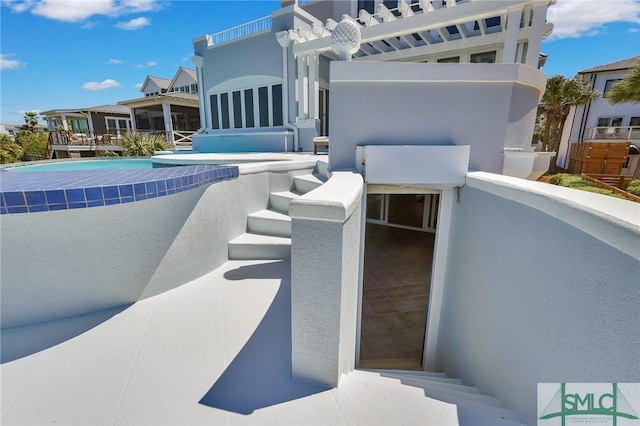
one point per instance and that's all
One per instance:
(65, 191)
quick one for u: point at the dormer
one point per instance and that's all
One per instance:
(185, 81)
(154, 86)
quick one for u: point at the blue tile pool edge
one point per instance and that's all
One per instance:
(31, 201)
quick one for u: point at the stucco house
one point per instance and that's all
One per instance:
(276, 96)
(168, 106)
(400, 279)
(600, 120)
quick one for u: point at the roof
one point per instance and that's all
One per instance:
(188, 71)
(624, 64)
(104, 109)
(157, 99)
(162, 83)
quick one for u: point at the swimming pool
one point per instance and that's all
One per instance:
(107, 164)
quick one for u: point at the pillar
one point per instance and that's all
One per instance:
(168, 122)
(511, 38)
(535, 35)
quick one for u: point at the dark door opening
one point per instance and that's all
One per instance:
(398, 254)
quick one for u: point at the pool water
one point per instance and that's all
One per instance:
(139, 163)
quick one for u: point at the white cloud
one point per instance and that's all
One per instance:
(103, 85)
(577, 18)
(73, 10)
(115, 61)
(79, 10)
(147, 65)
(10, 64)
(138, 86)
(134, 24)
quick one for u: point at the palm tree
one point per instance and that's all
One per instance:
(559, 96)
(31, 120)
(627, 89)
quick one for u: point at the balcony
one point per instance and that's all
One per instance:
(244, 30)
(630, 133)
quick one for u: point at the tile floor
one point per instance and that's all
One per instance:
(397, 271)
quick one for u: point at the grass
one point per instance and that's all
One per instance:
(576, 182)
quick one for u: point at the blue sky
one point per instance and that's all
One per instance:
(58, 54)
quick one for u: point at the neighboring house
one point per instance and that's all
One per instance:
(84, 128)
(273, 91)
(168, 106)
(600, 120)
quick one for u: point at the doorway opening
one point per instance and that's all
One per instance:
(398, 256)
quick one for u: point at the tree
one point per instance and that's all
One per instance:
(31, 120)
(32, 142)
(559, 96)
(10, 152)
(627, 89)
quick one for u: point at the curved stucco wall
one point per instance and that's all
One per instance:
(68, 263)
(535, 293)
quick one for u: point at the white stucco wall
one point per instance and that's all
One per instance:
(67, 263)
(325, 252)
(486, 106)
(542, 286)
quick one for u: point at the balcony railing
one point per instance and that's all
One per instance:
(613, 133)
(256, 26)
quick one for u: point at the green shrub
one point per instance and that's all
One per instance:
(32, 142)
(568, 180)
(141, 145)
(10, 152)
(634, 187)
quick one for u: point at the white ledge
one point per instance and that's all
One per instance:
(611, 220)
(333, 201)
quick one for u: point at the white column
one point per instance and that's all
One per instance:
(65, 126)
(313, 86)
(168, 122)
(302, 89)
(205, 120)
(511, 38)
(132, 117)
(440, 251)
(535, 35)
(90, 123)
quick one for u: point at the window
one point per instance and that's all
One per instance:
(224, 109)
(215, 121)
(237, 110)
(609, 121)
(276, 104)
(248, 108)
(483, 58)
(607, 86)
(115, 125)
(451, 60)
(263, 105)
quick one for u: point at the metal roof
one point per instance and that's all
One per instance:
(624, 64)
(105, 109)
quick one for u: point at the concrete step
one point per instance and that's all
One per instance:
(392, 364)
(473, 409)
(322, 167)
(418, 375)
(307, 183)
(269, 222)
(259, 247)
(279, 201)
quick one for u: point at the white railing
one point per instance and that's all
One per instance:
(183, 136)
(256, 26)
(613, 133)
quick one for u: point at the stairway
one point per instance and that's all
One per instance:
(268, 235)
(473, 408)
